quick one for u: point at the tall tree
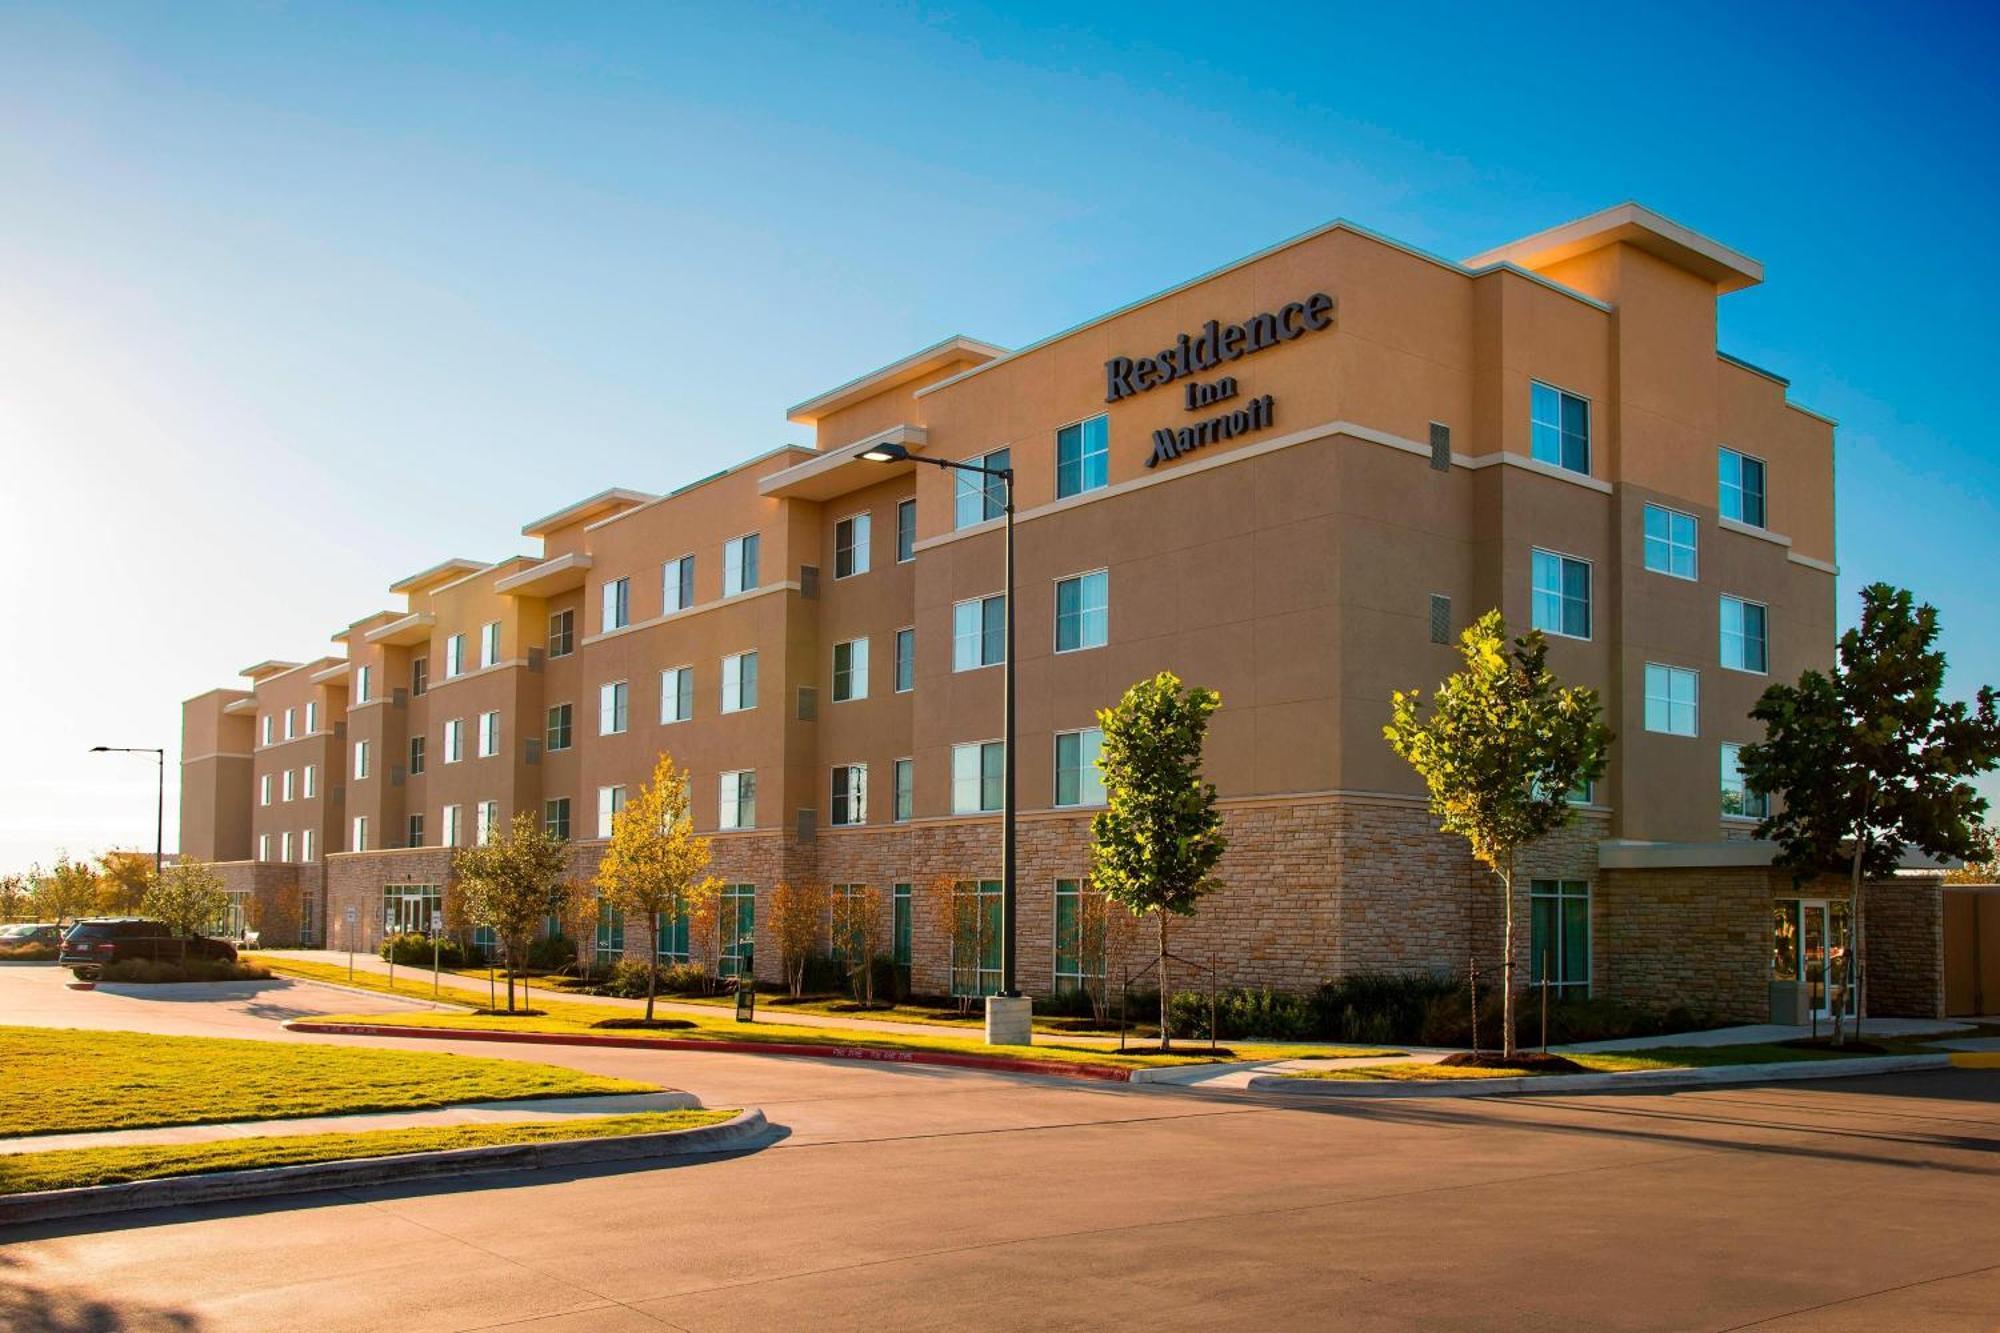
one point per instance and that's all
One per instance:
(1870, 761)
(122, 881)
(1503, 745)
(63, 892)
(656, 867)
(511, 884)
(1156, 845)
(188, 896)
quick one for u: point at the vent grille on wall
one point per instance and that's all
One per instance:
(1440, 446)
(531, 751)
(1440, 618)
(809, 581)
(395, 775)
(535, 656)
(808, 703)
(807, 825)
(399, 698)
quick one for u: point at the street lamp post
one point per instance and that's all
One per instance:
(1015, 1012)
(160, 811)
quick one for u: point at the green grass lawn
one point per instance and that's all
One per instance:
(1658, 1057)
(60, 1081)
(70, 1168)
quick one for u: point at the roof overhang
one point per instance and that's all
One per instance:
(332, 675)
(841, 470)
(953, 351)
(412, 628)
(244, 707)
(589, 510)
(266, 669)
(1637, 226)
(445, 571)
(560, 574)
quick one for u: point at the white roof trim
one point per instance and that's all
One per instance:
(896, 372)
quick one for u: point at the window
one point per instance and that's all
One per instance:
(676, 694)
(288, 785)
(1559, 936)
(1739, 487)
(1670, 542)
(975, 945)
(904, 776)
(309, 784)
(1743, 643)
(559, 727)
(850, 546)
(407, 909)
(977, 770)
(454, 656)
(610, 800)
(737, 802)
(906, 531)
(555, 817)
(485, 819)
(420, 676)
(562, 634)
(1079, 938)
(610, 934)
(1560, 428)
(1671, 697)
(361, 759)
(850, 795)
(264, 790)
(454, 740)
(901, 918)
(489, 734)
(617, 611)
(1561, 603)
(449, 826)
(1078, 781)
(291, 723)
(847, 934)
(312, 717)
(489, 644)
(264, 847)
(738, 928)
(739, 564)
(1737, 798)
(360, 843)
(677, 584)
(611, 708)
(1082, 613)
(739, 682)
(1083, 456)
(416, 756)
(670, 937)
(977, 497)
(978, 633)
(906, 660)
(416, 831)
(285, 845)
(305, 844)
(268, 723)
(850, 670)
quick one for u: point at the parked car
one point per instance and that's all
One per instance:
(22, 933)
(91, 944)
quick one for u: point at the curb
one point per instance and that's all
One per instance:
(877, 1054)
(452, 1006)
(215, 1187)
(1715, 1076)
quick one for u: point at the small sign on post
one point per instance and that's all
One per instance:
(388, 938)
(353, 919)
(437, 943)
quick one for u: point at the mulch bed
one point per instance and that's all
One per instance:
(1528, 1062)
(510, 1013)
(656, 1024)
(1852, 1046)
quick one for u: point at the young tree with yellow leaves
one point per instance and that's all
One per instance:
(657, 865)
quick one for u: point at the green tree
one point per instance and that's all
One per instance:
(656, 866)
(1503, 745)
(1982, 866)
(65, 891)
(1870, 761)
(13, 896)
(511, 884)
(1156, 845)
(187, 897)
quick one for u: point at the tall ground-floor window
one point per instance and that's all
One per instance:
(1079, 937)
(975, 937)
(407, 908)
(845, 945)
(899, 928)
(234, 918)
(1809, 945)
(1559, 942)
(486, 940)
(739, 928)
(308, 919)
(610, 934)
(670, 937)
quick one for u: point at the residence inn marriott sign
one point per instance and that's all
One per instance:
(1547, 428)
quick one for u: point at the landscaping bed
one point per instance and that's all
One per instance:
(153, 972)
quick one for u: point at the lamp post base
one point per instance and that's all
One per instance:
(1010, 1020)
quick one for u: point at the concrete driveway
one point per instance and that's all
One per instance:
(944, 1199)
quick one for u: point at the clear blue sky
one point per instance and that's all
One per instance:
(295, 300)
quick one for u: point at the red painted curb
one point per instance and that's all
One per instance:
(952, 1059)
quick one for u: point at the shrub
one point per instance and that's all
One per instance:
(1242, 1011)
(825, 975)
(552, 953)
(147, 972)
(1382, 1007)
(414, 950)
(28, 953)
(627, 980)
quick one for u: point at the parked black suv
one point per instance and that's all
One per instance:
(91, 944)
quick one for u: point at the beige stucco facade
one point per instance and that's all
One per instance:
(1371, 448)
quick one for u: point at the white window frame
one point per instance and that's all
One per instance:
(671, 579)
(288, 788)
(610, 800)
(963, 481)
(489, 734)
(898, 769)
(1742, 787)
(1086, 773)
(734, 578)
(1083, 616)
(614, 605)
(980, 603)
(1646, 699)
(729, 799)
(454, 656)
(291, 723)
(856, 782)
(309, 782)
(264, 788)
(489, 644)
(267, 728)
(857, 672)
(908, 506)
(485, 820)
(312, 716)
(614, 708)
(978, 750)
(1589, 428)
(1589, 896)
(306, 845)
(861, 534)
(359, 834)
(1562, 597)
(897, 658)
(1763, 497)
(364, 684)
(264, 846)
(454, 740)
(1723, 636)
(1694, 548)
(671, 694)
(285, 845)
(361, 758)
(1084, 454)
(449, 830)
(732, 682)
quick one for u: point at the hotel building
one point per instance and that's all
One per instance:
(1295, 480)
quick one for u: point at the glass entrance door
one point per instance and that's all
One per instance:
(1823, 955)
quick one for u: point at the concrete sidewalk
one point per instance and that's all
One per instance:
(1756, 1034)
(467, 1113)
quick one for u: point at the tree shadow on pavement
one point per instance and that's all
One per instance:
(27, 1306)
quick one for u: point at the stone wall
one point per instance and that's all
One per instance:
(1699, 937)
(1904, 947)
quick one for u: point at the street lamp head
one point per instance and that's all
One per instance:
(886, 453)
(100, 749)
